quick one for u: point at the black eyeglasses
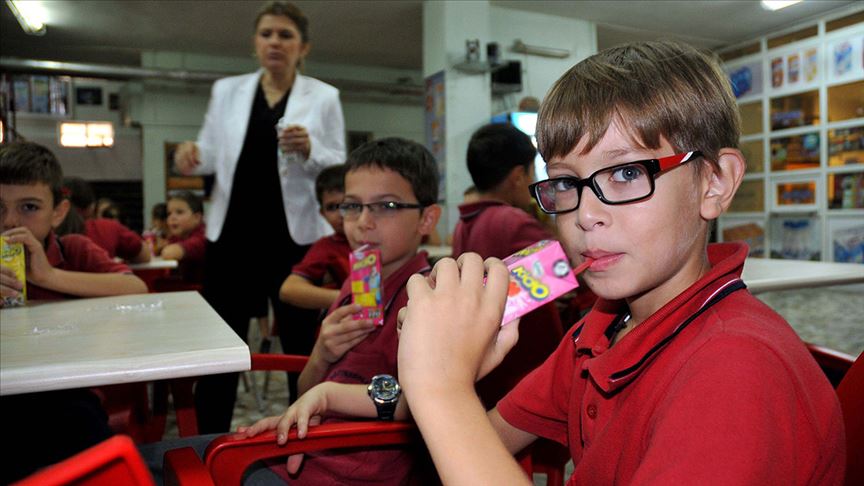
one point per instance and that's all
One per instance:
(353, 210)
(619, 184)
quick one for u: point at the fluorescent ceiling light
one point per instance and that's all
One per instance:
(86, 134)
(30, 14)
(778, 4)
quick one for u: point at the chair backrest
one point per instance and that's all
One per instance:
(112, 462)
(228, 457)
(851, 395)
(833, 363)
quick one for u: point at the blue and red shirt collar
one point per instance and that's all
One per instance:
(613, 368)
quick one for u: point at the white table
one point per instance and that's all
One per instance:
(155, 263)
(763, 275)
(133, 338)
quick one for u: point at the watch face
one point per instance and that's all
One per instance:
(385, 388)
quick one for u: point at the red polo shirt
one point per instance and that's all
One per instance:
(76, 253)
(326, 262)
(374, 355)
(731, 396)
(494, 228)
(191, 267)
(116, 239)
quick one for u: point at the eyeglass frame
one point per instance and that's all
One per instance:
(391, 206)
(652, 166)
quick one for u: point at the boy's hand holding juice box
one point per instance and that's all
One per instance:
(366, 283)
(538, 275)
(12, 256)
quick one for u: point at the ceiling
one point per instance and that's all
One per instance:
(362, 32)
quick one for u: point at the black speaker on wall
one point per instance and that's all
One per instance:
(507, 78)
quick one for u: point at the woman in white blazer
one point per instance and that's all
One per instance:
(247, 261)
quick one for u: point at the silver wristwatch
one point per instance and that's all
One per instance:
(384, 391)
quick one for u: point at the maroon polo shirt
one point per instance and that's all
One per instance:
(730, 396)
(493, 228)
(191, 266)
(496, 229)
(326, 262)
(374, 355)
(75, 253)
(116, 239)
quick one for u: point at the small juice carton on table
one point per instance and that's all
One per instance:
(12, 256)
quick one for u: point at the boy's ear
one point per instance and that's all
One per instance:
(719, 185)
(60, 212)
(429, 219)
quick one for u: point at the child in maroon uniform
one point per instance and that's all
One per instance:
(314, 283)
(391, 194)
(186, 239)
(678, 375)
(495, 224)
(50, 426)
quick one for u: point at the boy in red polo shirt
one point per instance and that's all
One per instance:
(186, 239)
(50, 426)
(314, 283)
(391, 195)
(678, 375)
(496, 223)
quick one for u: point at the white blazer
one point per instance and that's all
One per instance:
(313, 104)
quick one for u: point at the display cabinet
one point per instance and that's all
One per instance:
(801, 99)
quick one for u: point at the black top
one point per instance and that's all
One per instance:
(256, 194)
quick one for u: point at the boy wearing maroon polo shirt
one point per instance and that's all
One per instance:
(314, 282)
(391, 194)
(50, 426)
(495, 223)
(678, 375)
(186, 238)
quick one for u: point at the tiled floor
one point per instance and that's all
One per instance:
(830, 316)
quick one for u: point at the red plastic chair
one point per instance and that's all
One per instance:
(833, 363)
(113, 462)
(851, 395)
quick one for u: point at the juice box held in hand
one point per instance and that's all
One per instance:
(366, 283)
(538, 275)
(12, 256)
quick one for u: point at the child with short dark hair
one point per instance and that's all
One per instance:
(112, 235)
(495, 223)
(391, 195)
(677, 375)
(31, 206)
(156, 236)
(314, 283)
(186, 237)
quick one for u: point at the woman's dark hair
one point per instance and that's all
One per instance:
(286, 9)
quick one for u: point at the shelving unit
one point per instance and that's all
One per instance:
(801, 99)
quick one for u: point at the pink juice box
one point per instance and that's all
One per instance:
(365, 277)
(538, 275)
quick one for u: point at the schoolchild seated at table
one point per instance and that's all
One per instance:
(110, 234)
(391, 194)
(186, 238)
(157, 234)
(50, 426)
(314, 283)
(496, 223)
(677, 375)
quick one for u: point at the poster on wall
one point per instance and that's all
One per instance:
(796, 237)
(846, 58)
(845, 190)
(847, 240)
(746, 79)
(751, 232)
(436, 136)
(795, 69)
